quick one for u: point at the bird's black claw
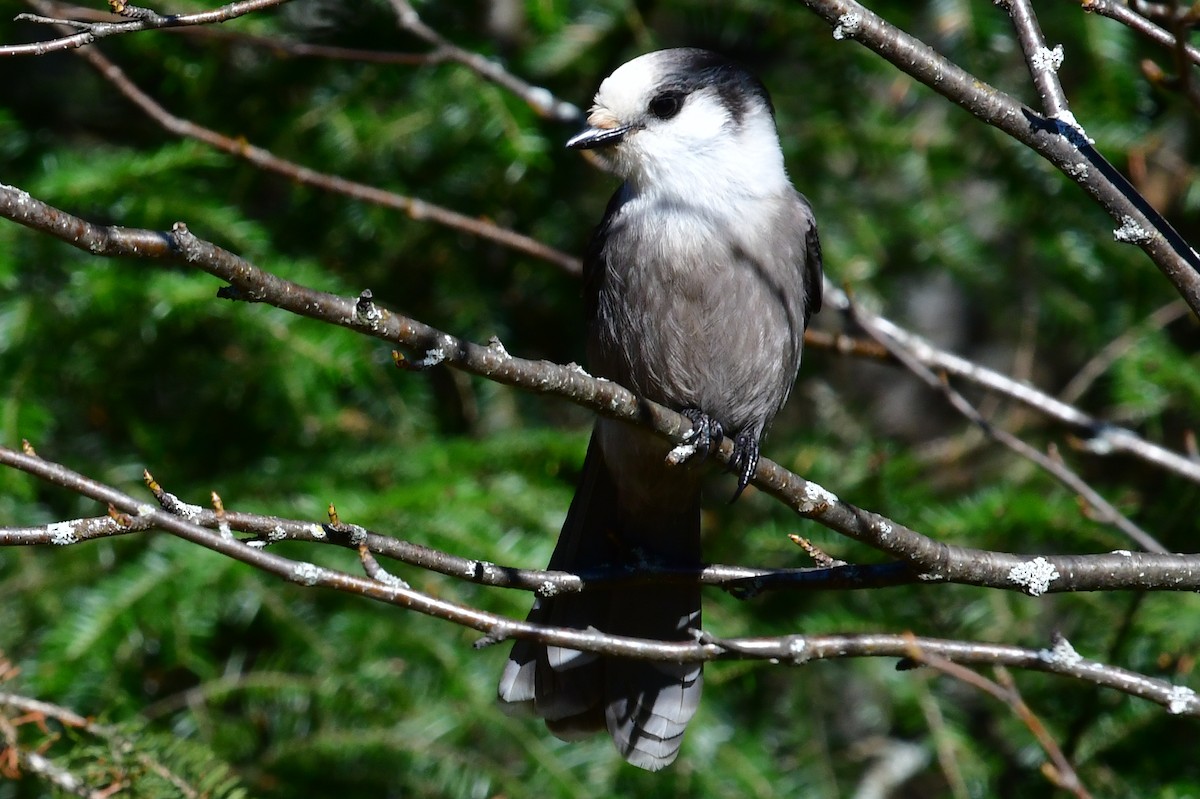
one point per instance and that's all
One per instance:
(706, 435)
(744, 461)
(706, 432)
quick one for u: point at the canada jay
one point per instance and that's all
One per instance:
(698, 284)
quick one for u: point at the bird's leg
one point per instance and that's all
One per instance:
(706, 432)
(744, 461)
(705, 436)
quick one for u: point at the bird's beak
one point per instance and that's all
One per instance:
(591, 138)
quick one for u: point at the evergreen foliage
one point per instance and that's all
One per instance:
(243, 686)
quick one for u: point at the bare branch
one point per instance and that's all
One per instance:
(1059, 770)
(1115, 349)
(1059, 140)
(1061, 773)
(948, 747)
(1100, 437)
(1136, 22)
(1073, 572)
(69, 14)
(742, 581)
(264, 159)
(16, 758)
(845, 345)
(790, 650)
(69, 718)
(1059, 470)
(148, 20)
(1043, 61)
(934, 560)
(540, 99)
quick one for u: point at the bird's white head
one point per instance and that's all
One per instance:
(687, 122)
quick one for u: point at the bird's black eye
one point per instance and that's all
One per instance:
(666, 105)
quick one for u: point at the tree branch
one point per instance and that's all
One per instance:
(1057, 139)
(540, 99)
(91, 32)
(1136, 22)
(69, 14)
(1043, 61)
(1100, 437)
(790, 650)
(1108, 513)
(935, 560)
(1099, 363)
(68, 718)
(1004, 690)
(415, 208)
(1110, 571)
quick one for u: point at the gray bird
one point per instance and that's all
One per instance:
(698, 284)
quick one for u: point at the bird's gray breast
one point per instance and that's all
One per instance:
(699, 307)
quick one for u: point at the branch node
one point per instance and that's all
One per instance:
(818, 556)
(222, 522)
(495, 345)
(847, 26)
(121, 8)
(365, 310)
(1061, 653)
(498, 634)
(377, 572)
(120, 518)
(356, 534)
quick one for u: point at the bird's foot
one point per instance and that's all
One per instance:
(744, 461)
(706, 432)
(705, 437)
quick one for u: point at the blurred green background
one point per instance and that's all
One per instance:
(112, 366)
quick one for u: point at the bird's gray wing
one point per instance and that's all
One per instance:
(814, 269)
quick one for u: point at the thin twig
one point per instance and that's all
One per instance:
(94, 31)
(1105, 510)
(945, 742)
(540, 99)
(416, 209)
(788, 649)
(1004, 690)
(70, 718)
(845, 345)
(1100, 437)
(1059, 141)
(1114, 350)
(1043, 61)
(1136, 22)
(65, 13)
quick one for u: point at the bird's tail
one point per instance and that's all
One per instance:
(644, 705)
